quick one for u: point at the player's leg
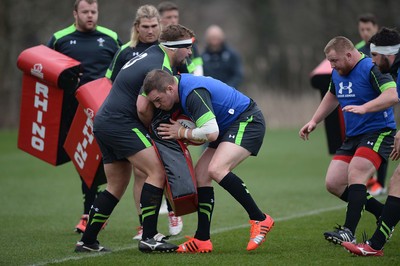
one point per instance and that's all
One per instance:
(139, 179)
(390, 214)
(367, 159)
(360, 169)
(89, 195)
(118, 175)
(390, 218)
(336, 176)
(147, 161)
(201, 242)
(225, 159)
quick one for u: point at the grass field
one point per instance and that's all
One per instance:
(40, 205)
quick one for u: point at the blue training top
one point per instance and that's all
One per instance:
(363, 84)
(227, 102)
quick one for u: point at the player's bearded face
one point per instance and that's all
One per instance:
(382, 62)
(339, 62)
(182, 54)
(86, 16)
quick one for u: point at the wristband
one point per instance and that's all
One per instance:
(186, 133)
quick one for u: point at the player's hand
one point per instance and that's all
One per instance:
(307, 129)
(357, 109)
(169, 131)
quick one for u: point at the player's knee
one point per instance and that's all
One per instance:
(216, 172)
(117, 188)
(331, 187)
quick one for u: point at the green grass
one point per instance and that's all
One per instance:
(40, 205)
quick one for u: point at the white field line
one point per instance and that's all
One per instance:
(217, 231)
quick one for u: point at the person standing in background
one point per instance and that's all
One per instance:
(220, 61)
(94, 47)
(145, 31)
(367, 26)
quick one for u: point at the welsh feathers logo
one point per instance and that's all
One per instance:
(100, 41)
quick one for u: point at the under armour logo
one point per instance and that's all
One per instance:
(72, 42)
(348, 88)
(135, 54)
(232, 136)
(100, 41)
(370, 143)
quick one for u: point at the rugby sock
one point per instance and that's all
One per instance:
(235, 186)
(390, 217)
(372, 205)
(89, 195)
(150, 202)
(102, 207)
(355, 207)
(204, 212)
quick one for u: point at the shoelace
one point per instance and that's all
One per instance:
(173, 220)
(160, 237)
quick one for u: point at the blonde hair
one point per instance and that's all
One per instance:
(145, 11)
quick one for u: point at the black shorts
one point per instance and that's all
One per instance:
(247, 131)
(379, 141)
(116, 145)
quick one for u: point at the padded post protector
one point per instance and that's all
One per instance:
(48, 103)
(180, 188)
(92, 95)
(82, 148)
(81, 145)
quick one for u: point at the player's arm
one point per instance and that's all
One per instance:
(327, 105)
(200, 108)
(145, 109)
(200, 111)
(385, 86)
